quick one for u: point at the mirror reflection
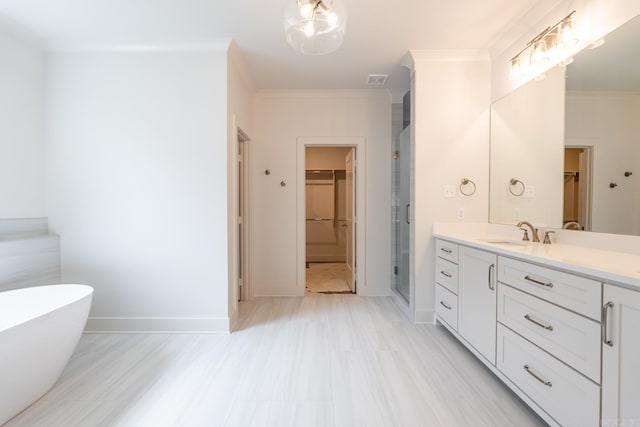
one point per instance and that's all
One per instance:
(572, 144)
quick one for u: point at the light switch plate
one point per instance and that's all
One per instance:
(449, 190)
(460, 214)
(529, 192)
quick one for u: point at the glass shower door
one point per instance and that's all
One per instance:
(402, 164)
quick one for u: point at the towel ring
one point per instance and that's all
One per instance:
(463, 183)
(513, 183)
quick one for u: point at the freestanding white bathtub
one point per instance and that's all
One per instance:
(39, 330)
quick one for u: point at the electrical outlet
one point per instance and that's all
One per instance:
(516, 214)
(460, 214)
(449, 190)
(529, 192)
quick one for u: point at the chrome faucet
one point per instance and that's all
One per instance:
(572, 224)
(534, 232)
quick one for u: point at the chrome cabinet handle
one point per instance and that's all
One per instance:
(605, 326)
(491, 269)
(407, 208)
(444, 273)
(445, 305)
(538, 282)
(530, 372)
(445, 250)
(535, 322)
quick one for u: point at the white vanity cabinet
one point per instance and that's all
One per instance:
(548, 339)
(621, 357)
(477, 300)
(447, 283)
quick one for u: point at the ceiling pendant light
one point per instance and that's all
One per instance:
(315, 27)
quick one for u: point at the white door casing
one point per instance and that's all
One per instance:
(358, 144)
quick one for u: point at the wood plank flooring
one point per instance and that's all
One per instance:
(321, 360)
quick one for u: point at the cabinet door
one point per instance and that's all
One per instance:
(477, 300)
(620, 357)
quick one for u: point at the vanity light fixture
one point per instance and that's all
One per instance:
(315, 27)
(553, 46)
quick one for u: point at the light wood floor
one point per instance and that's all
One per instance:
(321, 360)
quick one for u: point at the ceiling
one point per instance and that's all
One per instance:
(378, 35)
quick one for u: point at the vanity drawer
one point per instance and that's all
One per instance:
(447, 306)
(447, 274)
(447, 250)
(576, 293)
(572, 338)
(570, 398)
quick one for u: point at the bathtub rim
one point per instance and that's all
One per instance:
(83, 292)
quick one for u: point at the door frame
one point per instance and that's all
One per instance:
(234, 296)
(358, 142)
(589, 147)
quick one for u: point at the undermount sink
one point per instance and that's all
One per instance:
(506, 242)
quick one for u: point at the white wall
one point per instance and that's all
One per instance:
(527, 143)
(608, 121)
(451, 125)
(137, 175)
(22, 184)
(239, 115)
(279, 119)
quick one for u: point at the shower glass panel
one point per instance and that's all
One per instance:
(401, 199)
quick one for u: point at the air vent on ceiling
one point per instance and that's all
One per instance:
(377, 79)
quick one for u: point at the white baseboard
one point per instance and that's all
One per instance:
(424, 316)
(197, 325)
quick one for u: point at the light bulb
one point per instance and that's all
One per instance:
(539, 53)
(306, 10)
(332, 19)
(566, 33)
(309, 29)
(516, 69)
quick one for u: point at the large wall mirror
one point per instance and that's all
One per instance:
(565, 151)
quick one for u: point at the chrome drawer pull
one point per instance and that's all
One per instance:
(530, 372)
(542, 325)
(538, 282)
(444, 273)
(605, 327)
(490, 279)
(446, 250)
(445, 305)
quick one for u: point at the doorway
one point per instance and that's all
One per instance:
(329, 205)
(331, 238)
(578, 162)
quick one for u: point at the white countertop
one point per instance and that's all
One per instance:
(618, 268)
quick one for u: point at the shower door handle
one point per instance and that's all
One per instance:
(407, 209)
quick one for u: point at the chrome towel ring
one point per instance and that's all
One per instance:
(518, 185)
(463, 186)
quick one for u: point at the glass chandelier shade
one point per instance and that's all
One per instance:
(315, 27)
